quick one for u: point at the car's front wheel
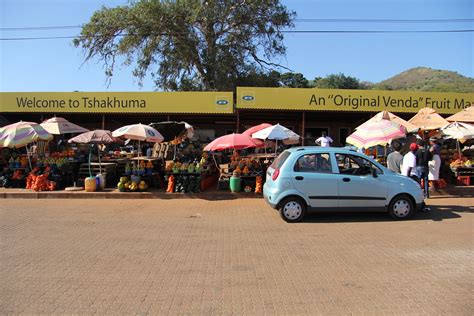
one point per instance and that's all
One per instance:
(292, 209)
(401, 207)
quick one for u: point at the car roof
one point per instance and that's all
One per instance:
(319, 149)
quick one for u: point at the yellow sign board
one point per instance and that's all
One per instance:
(350, 100)
(117, 102)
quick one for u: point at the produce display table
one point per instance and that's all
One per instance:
(109, 170)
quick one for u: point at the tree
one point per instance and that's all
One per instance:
(339, 81)
(294, 80)
(205, 45)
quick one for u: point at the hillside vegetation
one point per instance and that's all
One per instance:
(427, 79)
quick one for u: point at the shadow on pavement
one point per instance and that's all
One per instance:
(437, 213)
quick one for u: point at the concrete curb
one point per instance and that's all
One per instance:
(114, 194)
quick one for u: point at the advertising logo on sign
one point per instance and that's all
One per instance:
(222, 103)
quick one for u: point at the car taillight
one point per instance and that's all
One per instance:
(275, 174)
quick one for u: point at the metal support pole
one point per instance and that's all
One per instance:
(238, 120)
(103, 121)
(303, 119)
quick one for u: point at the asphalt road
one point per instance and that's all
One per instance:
(193, 256)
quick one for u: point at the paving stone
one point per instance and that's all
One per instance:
(137, 256)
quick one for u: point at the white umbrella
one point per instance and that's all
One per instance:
(59, 125)
(277, 132)
(459, 131)
(139, 132)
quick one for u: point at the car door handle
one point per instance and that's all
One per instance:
(299, 178)
(346, 179)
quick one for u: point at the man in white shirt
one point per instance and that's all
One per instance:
(324, 140)
(409, 162)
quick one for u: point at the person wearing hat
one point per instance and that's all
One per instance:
(423, 157)
(409, 162)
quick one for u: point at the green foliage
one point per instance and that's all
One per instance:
(339, 81)
(427, 79)
(188, 44)
(294, 80)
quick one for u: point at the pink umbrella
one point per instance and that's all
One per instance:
(376, 133)
(255, 129)
(233, 141)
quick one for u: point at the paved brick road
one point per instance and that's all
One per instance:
(230, 257)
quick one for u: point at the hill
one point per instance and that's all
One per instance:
(427, 79)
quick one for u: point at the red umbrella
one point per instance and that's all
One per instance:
(233, 141)
(255, 129)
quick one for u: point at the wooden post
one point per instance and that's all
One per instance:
(103, 121)
(238, 120)
(303, 117)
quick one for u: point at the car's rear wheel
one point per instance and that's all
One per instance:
(401, 207)
(292, 209)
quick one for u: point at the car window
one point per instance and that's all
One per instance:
(280, 160)
(319, 163)
(355, 165)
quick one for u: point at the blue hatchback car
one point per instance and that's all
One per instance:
(305, 179)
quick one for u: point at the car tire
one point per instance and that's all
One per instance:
(292, 209)
(401, 207)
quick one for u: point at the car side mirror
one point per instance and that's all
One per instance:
(374, 173)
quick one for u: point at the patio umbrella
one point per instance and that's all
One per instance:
(428, 119)
(459, 131)
(232, 141)
(385, 115)
(466, 116)
(277, 132)
(376, 133)
(59, 125)
(139, 132)
(255, 129)
(97, 136)
(21, 134)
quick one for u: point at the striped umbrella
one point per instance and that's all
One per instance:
(22, 133)
(376, 133)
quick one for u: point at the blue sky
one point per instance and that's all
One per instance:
(55, 65)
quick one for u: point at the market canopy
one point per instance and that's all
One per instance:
(459, 131)
(379, 132)
(428, 119)
(233, 141)
(385, 115)
(59, 125)
(465, 116)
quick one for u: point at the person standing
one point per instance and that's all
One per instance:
(394, 159)
(409, 163)
(435, 163)
(324, 140)
(423, 157)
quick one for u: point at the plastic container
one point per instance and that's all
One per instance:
(101, 179)
(234, 184)
(90, 184)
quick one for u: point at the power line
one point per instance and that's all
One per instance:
(289, 31)
(304, 20)
(385, 20)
